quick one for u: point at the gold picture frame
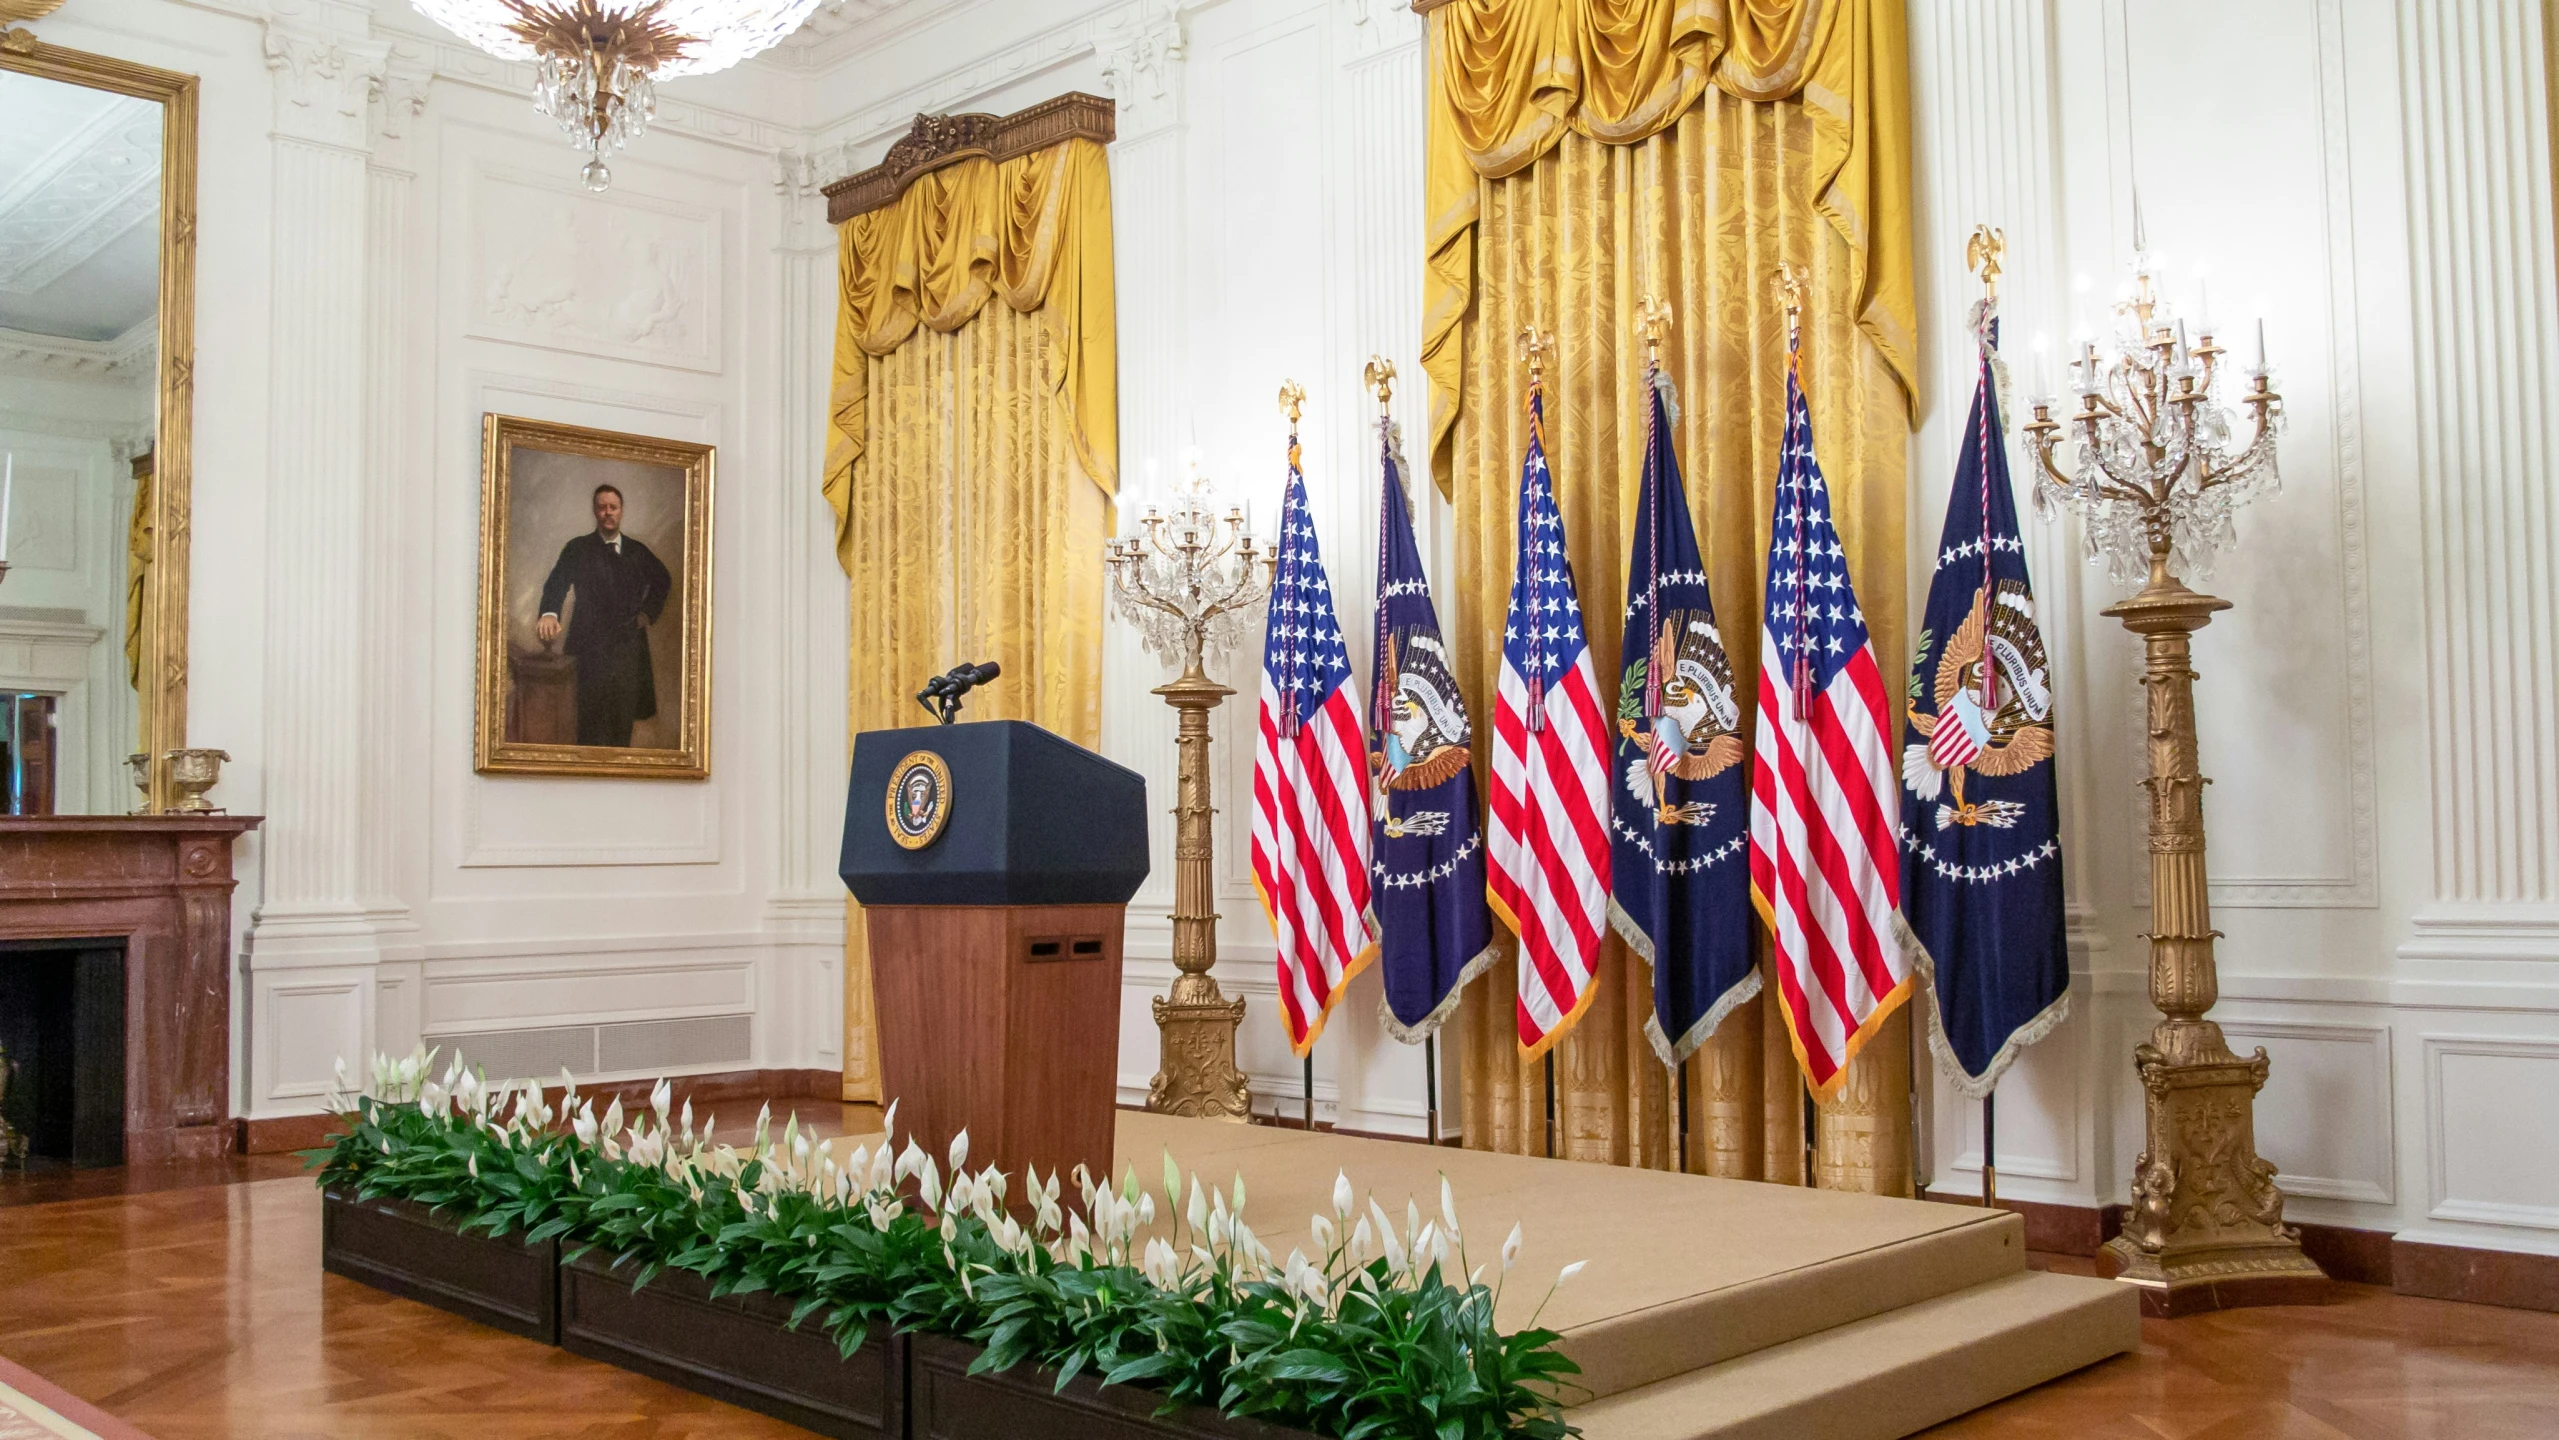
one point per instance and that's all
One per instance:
(161, 672)
(561, 694)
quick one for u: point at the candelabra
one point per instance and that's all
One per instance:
(1191, 581)
(2159, 472)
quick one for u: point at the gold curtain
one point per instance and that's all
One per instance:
(972, 450)
(1627, 162)
(137, 567)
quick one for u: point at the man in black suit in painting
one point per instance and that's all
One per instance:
(621, 588)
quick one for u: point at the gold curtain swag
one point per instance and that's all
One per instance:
(1035, 230)
(1510, 78)
(1700, 208)
(972, 449)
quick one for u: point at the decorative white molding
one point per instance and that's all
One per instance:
(2486, 306)
(1379, 27)
(93, 186)
(322, 84)
(2367, 1113)
(2513, 1111)
(2484, 932)
(1142, 69)
(622, 274)
(129, 356)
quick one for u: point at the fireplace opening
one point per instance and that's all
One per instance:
(62, 1035)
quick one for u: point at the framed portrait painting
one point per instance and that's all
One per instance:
(595, 603)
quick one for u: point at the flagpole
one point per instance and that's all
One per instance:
(1681, 1081)
(1550, 1104)
(1430, 1082)
(1990, 1149)
(1310, 1088)
(1983, 253)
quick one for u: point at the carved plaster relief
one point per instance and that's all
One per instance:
(91, 187)
(618, 275)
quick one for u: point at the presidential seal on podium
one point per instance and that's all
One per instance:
(919, 800)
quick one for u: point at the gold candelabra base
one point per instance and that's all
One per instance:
(2206, 1228)
(1197, 1077)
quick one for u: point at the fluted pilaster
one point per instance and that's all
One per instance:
(2486, 312)
(317, 664)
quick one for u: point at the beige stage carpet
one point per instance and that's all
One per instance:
(1710, 1308)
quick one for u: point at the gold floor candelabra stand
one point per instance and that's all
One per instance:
(1191, 580)
(2159, 472)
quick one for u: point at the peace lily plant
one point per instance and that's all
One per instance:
(1366, 1333)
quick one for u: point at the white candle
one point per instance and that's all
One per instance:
(2261, 342)
(2203, 308)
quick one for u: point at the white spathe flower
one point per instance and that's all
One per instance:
(583, 1126)
(1565, 1276)
(1239, 1192)
(1425, 1245)
(1361, 1238)
(613, 1117)
(1198, 1212)
(1325, 1234)
(888, 1124)
(910, 1161)
(1220, 1229)
(662, 1099)
(1397, 1262)
(1146, 1209)
(1172, 1180)
(1510, 1250)
(1163, 1267)
(471, 1163)
(1343, 1196)
(1447, 1208)
(959, 1151)
(928, 1184)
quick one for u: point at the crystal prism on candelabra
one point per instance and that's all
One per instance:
(2161, 468)
(1193, 582)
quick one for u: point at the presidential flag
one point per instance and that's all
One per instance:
(1681, 821)
(1427, 867)
(1980, 817)
(1824, 870)
(1310, 836)
(1549, 844)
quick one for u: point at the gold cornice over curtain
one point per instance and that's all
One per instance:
(1510, 78)
(1700, 208)
(971, 453)
(1035, 230)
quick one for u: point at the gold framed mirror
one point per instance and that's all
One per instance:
(129, 546)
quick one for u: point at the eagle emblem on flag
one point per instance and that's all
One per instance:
(1697, 734)
(1423, 744)
(1993, 706)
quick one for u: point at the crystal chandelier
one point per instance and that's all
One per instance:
(597, 62)
(2160, 470)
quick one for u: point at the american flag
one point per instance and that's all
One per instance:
(1825, 865)
(1310, 814)
(1549, 846)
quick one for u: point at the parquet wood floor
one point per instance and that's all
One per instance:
(195, 1308)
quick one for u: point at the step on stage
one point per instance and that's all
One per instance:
(1710, 1308)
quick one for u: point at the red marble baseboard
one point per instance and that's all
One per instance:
(2513, 1279)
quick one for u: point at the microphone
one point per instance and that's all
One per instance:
(941, 695)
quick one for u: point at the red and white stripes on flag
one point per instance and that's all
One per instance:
(1310, 812)
(1548, 847)
(1825, 802)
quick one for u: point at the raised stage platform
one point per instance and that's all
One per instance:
(1710, 1308)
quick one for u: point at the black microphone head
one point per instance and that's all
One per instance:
(984, 671)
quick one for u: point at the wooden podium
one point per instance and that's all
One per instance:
(994, 862)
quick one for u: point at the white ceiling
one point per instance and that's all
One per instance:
(79, 209)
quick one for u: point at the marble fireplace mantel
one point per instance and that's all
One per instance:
(162, 885)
